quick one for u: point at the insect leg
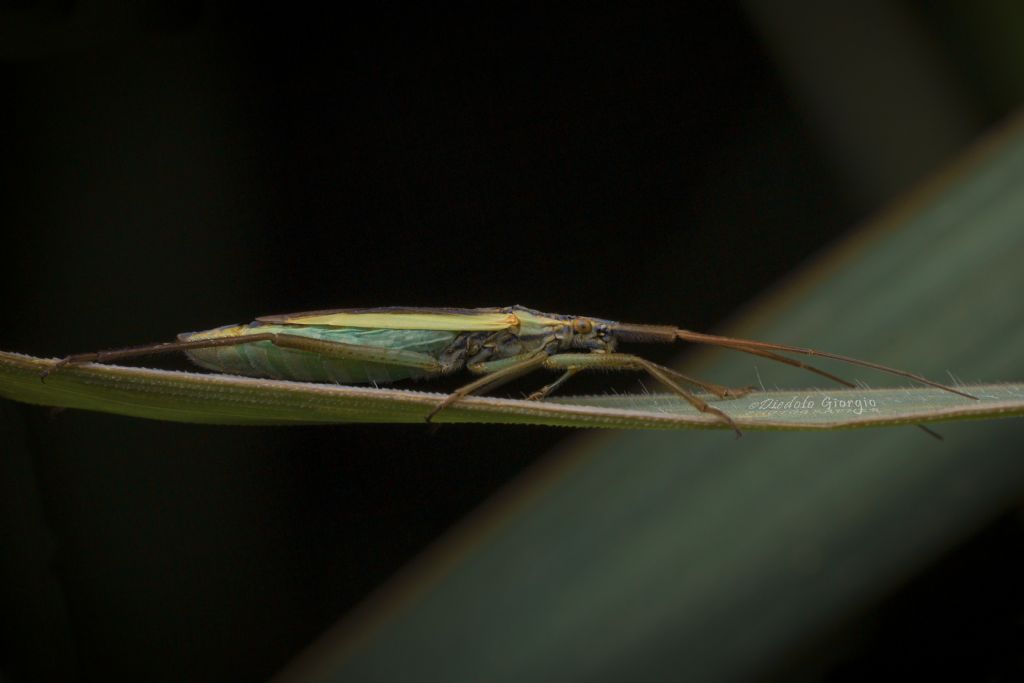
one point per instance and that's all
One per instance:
(625, 361)
(716, 389)
(291, 341)
(359, 352)
(548, 389)
(495, 374)
(150, 350)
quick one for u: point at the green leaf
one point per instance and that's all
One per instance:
(230, 400)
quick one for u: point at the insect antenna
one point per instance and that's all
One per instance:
(798, 364)
(766, 349)
(818, 371)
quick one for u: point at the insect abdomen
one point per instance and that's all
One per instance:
(264, 359)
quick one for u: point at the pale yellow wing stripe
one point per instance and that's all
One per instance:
(218, 333)
(454, 322)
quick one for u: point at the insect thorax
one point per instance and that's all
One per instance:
(536, 333)
(480, 347)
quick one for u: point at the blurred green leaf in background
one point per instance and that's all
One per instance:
(661, 556)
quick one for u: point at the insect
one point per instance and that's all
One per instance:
(381, 345)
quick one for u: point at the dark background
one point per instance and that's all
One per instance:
(173, 167)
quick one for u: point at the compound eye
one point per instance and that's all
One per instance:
(582, 326)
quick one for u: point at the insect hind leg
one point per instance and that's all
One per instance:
(329, 349)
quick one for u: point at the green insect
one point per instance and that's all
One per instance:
(381, 345)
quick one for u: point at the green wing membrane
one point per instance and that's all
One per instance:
(264, 359)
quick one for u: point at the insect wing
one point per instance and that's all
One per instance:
(447, 319)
